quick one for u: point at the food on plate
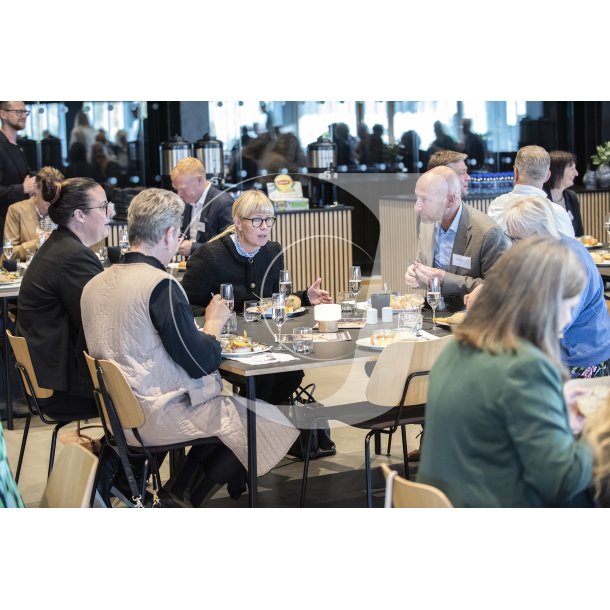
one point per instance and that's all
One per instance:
(292, 303)
(182, 265)
(589, 240)
(597, 257)
(456, 318)
(382, 338)
(7, 277)
(593, 399)
(406, 301)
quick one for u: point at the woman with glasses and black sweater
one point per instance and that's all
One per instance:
(242, 255)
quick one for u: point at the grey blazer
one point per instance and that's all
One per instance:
(478, 238)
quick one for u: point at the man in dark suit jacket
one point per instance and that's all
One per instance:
(208, 210)
(15, 183)
(460, 251)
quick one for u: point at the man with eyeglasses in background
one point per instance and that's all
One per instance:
(15, 182)
(208, 209)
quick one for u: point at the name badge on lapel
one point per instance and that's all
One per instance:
(201, 227)
(462, 261)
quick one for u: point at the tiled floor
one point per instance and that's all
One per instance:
(334, 482)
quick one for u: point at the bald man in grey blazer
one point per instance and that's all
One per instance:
(456, 243)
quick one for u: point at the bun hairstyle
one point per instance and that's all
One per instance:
(65, 197)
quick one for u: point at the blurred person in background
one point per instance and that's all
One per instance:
(557, 187)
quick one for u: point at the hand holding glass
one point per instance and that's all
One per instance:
(226, 293)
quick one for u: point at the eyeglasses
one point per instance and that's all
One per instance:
(104, 206)
(258, 222)
(511, 238)
(19, 111)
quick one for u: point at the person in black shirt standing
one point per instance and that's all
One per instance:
(15, 182)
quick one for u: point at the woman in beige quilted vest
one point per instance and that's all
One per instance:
(137, 315)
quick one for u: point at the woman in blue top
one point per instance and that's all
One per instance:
(498, 432)
(585, 346)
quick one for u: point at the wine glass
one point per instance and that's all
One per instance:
(285, 282)
(8, 248)
(226, 293)
(355, 281)
(124, 241)
(433, 296)
(278, 314)
(608, 227)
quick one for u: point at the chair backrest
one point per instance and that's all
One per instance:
(128, 409)
(406, 494)
(71, 482)
(22, 356)
(396, 362)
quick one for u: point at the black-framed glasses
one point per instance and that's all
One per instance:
(19, 111)
(512, 238)
(258, 222)
(104, 206)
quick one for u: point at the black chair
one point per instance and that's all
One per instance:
(396, 395)
(33, 393)
(120, 410)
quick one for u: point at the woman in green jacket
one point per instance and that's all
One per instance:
(498, 431)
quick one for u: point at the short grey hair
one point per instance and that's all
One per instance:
(151, 213)
(532, 215)
(533, 162)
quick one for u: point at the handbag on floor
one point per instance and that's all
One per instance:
(322, 444)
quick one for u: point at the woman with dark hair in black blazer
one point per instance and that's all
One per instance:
(49, 298)
(563, 172)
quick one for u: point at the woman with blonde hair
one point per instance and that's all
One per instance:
(585, 345)
(498, 431)
(244, 256)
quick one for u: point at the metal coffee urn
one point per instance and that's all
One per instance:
(321, 159)
(172, 151)
(209, 151)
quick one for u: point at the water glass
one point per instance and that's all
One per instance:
(230, 327)
(348, 303)
(8, 248)
(265, 305)
(355, 280)
(302, 340)
(407, 320)
(252, 312)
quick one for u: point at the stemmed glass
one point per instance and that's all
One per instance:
(355, 281)
(278, 314)
(124, 241)
(226, 294)
(433, 296)
(608, 227)
(285, 282)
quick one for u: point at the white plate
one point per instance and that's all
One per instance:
(599, 244)
(175, 266)
(11, 284)
(367, 343)
(289, 315)
(265, 348)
